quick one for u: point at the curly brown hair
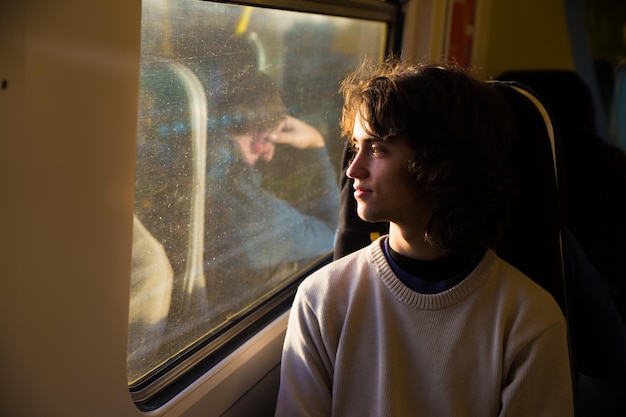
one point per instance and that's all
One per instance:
(460, 130)
(248, 101)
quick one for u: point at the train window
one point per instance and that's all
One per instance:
(238, 152)
(606, 31)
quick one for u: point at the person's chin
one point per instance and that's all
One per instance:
(369, 216)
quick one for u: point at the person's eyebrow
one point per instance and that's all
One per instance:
(368, 140)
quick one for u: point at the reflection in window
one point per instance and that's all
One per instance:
(237, 150)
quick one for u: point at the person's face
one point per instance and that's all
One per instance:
(255, 146)
(383, 186)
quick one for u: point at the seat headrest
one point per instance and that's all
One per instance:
(565, 94)
(532, 241)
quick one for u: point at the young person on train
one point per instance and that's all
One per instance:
(262, 227)
(427, 320)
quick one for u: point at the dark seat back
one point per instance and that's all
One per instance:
(595, 240)
(533, 240)
(566, 96)
(594, 171)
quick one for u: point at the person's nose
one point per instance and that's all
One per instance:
(358, 167)
(258, 144)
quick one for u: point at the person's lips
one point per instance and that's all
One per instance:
(361, 191)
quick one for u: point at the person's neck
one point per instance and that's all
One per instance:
(412, 243)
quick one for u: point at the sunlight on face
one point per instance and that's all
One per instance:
(383, 186)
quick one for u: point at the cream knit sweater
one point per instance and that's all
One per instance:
(360, 343)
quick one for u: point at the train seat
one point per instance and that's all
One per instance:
(171, 161)
(532, 242)
(564, 93)
(594, 245)
(595, 174)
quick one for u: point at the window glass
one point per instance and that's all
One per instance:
(606, 31)
(238, 151)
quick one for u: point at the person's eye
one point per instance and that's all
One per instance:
(376, 150)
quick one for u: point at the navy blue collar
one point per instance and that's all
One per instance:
(434, 276)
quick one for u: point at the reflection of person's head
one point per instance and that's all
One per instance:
(459, 129)
(250, 108)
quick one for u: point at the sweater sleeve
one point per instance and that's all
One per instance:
(306, 369)
(306, 180)
(539, 381)
(257, 223)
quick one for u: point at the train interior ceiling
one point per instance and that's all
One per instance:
(151, 247)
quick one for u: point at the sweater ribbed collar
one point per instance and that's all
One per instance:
(429, 301)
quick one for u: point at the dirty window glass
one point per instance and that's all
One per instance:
(238, 155)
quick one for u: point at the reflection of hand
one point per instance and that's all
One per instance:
(255, 146)
(296, 133)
